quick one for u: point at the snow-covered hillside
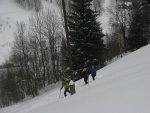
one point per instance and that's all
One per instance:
(121, 87)
(10, 13)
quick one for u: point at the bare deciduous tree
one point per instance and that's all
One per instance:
(52, 32)
(120, 20)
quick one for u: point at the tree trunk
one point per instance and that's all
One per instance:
(68, 46)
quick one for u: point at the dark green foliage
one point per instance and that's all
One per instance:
(85, 34)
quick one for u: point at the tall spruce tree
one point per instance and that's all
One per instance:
(85, 34)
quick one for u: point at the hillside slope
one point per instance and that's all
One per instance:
(121, 87)
(10, 14)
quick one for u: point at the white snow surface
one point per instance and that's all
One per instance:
(10, 14)
(121, 87)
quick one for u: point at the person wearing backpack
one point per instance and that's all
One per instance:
(85, 74)
(93, 72)
(66, 86)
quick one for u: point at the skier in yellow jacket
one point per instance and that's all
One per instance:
(66, 86)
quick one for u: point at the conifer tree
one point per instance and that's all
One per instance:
(85, 34)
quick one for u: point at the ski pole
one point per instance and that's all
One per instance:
(88, 82)
(96, 77)
(59, 93)
(79, 81)
(27, 102)
(88, 85)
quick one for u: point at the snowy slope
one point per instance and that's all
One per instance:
(10, 13)
(121, 87)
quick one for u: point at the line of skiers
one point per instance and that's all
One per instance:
(85, 72)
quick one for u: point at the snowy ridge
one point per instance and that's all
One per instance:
(121, 87)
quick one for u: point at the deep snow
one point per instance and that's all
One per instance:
(121, 87)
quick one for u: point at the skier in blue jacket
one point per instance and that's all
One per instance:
(93, 72)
